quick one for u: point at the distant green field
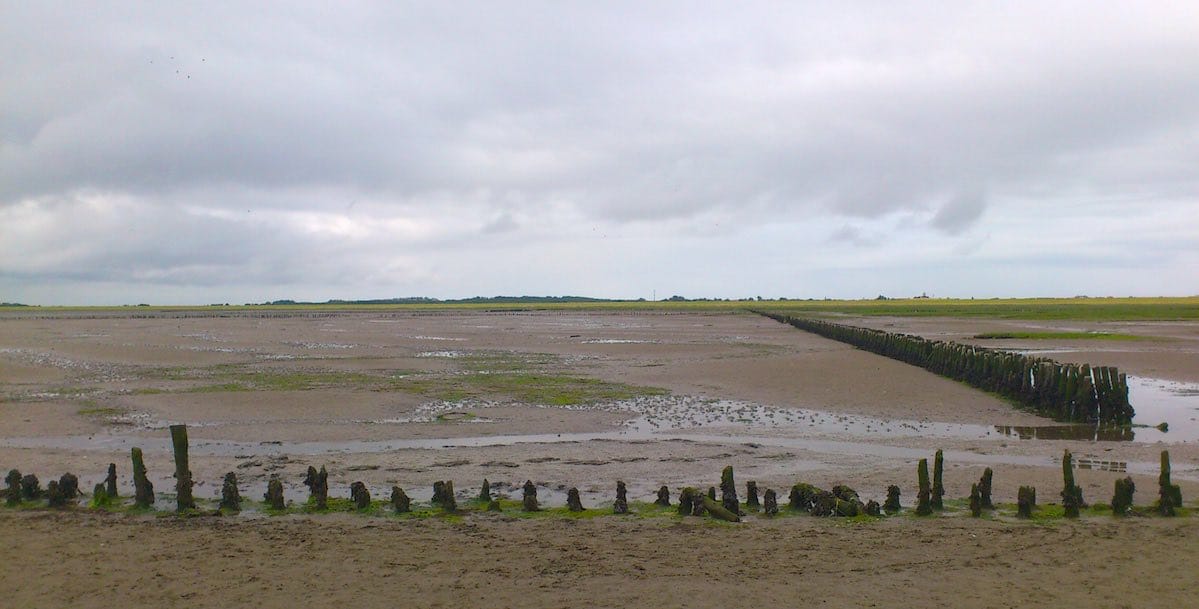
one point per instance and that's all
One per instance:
(1083, 309)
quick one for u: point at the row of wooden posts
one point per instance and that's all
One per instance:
(841, 500)
(1067, 392)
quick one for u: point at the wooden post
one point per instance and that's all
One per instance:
(922, 496)
(318, 487)
(751, 496)
(1169, 495)
(573, 503)
(360, 495)
(1026, 501)
(770, 503)
(100, 497)
(110, 481)
(1122, 498)
(230, 497)
(621, 506)
(717, 510)
(143, 490)
(984, 489)
(183, 474)
(449, 502)
(12, 492)
(728, 491)
(485, 492)
(1071, 494)
(31, 487)
(663, 497)
(274, 494)
(529, 498)
(400, 501)
(938, 491)
(891, 505)
(686, 500)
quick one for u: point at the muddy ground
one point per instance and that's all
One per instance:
(570, 399)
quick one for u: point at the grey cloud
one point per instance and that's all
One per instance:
(513, 118)
(960, 212)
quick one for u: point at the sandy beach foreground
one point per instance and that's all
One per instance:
(105, 561)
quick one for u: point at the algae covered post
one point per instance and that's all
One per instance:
(183, 474)
(143, 490)
(923, 508)
(573, 503)
(938, 492)
(1071, 493)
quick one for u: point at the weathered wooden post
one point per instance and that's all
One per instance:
(621, 505)
(891, 505)
(449, 502)
(54, 495)
(686, 501)
(12, 491)
(31, 487)
(976, 501)
(802, 496)
(770, 502)
(529, 498)
(274, 494)
(318, 487)
(1071, 494)
(1169, 495)
(1122, 498)
(485, 492)
(873, 509)
(712, 493)
(984, 489)
(68, 485)
(110, 481)
(922, 496)
(663, 497)
(728, 491)
(717, 510)
(400, 501)
(438, 492)
(360, 495)
(938, 491)
(573, 503)
(824, 503)
(100, 496)
(751, 496)
(1026, 501)
(230, 497)
(183, 474)
(143, 491)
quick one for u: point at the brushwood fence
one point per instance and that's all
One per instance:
(1066, 392)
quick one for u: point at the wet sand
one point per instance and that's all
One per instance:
(352, 392)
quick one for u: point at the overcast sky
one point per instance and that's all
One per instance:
(245, 152)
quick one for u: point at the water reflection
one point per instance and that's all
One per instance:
(1069, 432)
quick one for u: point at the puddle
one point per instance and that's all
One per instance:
(1069, 432)
(1156, 401)
(1161, 401)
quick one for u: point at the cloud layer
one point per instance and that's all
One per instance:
(231, 153)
